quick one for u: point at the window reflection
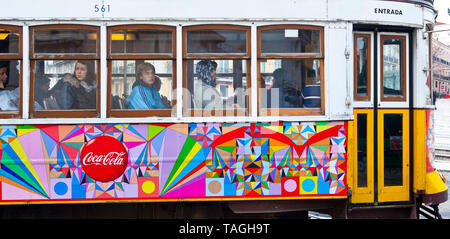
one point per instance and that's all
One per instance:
(361, 66)
(58, 41)
(290, 41)
(9, 85)
(65, 84)
(217, 84)
(290, 83)
(216, 41)
(392, 67)
(9, 41)
(141, 41)
(393, 149)
(128, 76)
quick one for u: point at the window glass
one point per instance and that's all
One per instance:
(362, 66)
(141, 41)
(217, 84)
(65, 84)
(290, 83)
(9, 85)
(393, 149)
(58, 41)
(9, 41)
(362, 150)
(216, 41)
(290, 41)
(392, 67)
(141, 84)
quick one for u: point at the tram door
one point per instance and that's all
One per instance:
(381, 124)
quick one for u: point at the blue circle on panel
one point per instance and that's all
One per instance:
(308, 185)
(60, 188)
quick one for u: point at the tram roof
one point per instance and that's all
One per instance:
(375, 11)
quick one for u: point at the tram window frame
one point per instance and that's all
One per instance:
(403, 70)
(291, 56)
(19, 58)
(170, 112)
(368, 37)
(75, 113)
(188, 108)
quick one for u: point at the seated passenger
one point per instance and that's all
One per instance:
(144, 94)
(77, 91)
(9, 97)
(288, 94)
(205, 93)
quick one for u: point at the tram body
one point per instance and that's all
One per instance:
(364, 142)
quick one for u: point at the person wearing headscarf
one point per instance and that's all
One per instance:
(144, 94)
(206, 96)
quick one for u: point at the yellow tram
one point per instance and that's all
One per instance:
(245, 108)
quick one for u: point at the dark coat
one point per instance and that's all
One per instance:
(70, 94)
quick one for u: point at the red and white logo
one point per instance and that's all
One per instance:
(104, 158)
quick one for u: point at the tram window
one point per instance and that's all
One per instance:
(65, 71)
(10, 71)
(291, 73)
(290, 41)
(290, 83)
(65, 85)
(141, 41)
(141, 69)
(58, 41)
(362, 67)
(128, 75)
(216, 41)
(216, 61)
(393, 68)
(217, 84)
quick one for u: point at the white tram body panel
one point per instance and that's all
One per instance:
(336, 17)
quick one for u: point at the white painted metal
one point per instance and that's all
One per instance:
(336, 16)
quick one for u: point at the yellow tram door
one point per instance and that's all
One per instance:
(386, 177)
(379, 134)
(393, 155)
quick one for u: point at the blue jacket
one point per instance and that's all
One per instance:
(144, 98)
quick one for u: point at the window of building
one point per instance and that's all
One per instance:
(65, 71)
(141, 64)
(216, 61)
(290, 61)
(10, 71)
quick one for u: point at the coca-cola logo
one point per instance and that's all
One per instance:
(104, 158)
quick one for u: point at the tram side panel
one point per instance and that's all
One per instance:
(170, 162)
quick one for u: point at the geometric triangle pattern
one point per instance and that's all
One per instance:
(198, 160)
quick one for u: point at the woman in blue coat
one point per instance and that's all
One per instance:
(144, 95)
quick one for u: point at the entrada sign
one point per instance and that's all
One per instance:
(388, 11)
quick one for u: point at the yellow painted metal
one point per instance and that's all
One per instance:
(420, 149)
(434, 183)
(393, 193)
(364, 194)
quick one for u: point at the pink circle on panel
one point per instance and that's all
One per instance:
(290, 185)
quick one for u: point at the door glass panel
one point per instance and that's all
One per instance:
(393, 149)
(361, 66)
(392, 67)
(362, 150)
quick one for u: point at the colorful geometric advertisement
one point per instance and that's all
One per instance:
(177, 161)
